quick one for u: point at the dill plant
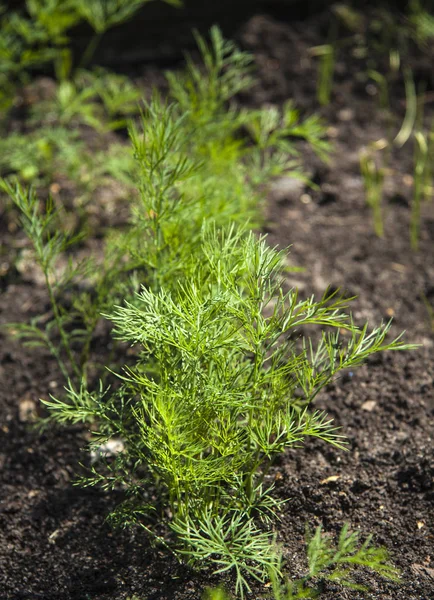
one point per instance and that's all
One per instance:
(327, 561)
(224, 380)
(334, 562)
(222, 385)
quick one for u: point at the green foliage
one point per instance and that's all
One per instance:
(49, 242)
(422, 21)
(41, 153)
(39, 35)
(220, 389)
(52, 18)
(104, 14)
(185, 175)
(336, 563)
(324, 555)
(119, 96)
(49, 153)
(78, 290)
(225, 374)
(98, 99)
(215, 594)
(231, 543)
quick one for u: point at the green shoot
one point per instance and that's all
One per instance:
(381, 80)
(420, 166)
(410, 111)
(373, 179)
(49, 242)
(325, 72)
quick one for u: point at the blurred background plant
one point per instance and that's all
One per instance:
(39, 35)
(380, 46)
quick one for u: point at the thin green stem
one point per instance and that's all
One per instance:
(63, 335)
(90, 49)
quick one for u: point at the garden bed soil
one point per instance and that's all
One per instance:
(54, 541)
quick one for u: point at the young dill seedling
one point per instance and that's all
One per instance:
(49, 242)
(325, 73)
(420, 168)
(336, 563)
(373, 179)
(383, 85)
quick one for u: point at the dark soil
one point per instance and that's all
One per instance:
(54, 542)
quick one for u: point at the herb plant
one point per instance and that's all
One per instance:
(225, 373)
(336, 563)
(326, 561)
(221, 387)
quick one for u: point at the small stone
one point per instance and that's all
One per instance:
(346, 114)
(53, 536)
(331, 479)
(398, 267)
(332, 132)
(369, 405)
(27, 410)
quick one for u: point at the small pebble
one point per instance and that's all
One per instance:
(369, 405)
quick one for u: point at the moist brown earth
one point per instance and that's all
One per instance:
(54, 541)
